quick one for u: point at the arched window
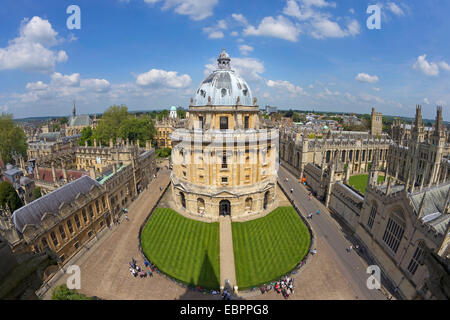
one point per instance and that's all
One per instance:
(394, 232)
(224, 208)
(183, 200)
(248, 204)
(201, 205)
(266, 200)
(373, 214)
(417, 257)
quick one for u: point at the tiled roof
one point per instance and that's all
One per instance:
(45, 174)
(33, 212)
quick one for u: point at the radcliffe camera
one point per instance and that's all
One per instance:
(220, 159)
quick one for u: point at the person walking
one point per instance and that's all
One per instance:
(126, 217)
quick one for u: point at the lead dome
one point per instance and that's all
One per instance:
(223, 87)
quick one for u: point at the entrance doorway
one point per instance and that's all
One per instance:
(224, 208)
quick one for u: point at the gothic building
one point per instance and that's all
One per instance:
(224, 163)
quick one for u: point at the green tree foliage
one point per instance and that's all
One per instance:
(116, 123)
(86, 135)
(63, 293)
(134, 129)
(12, 138)
(63, 120)
(9, 196)
(108, 127)
(181, 114)
(163, 114)
(37, 193)
(163, 153)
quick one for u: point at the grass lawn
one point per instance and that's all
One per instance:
(359, 182)
(184, 249)
(265, 249)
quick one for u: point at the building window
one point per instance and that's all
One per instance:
(62, 232)
(76, 245)
(90, 234)
(183, 200)
(91, 211)
(101, 224)
(416, 259)
(393, 234)
(372, 216)
(223, 123)
(69, 226)
(224, 180)
(44, 244)
(103, 203)
(224, 161)
(77, 221)
(54, 239)
(83, 213)
(200, 122)
(246, 122)
(62, 258)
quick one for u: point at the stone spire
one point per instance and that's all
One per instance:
(438, 130)
(74, 110)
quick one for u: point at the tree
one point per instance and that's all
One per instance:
(181, 114)
(111, 121)
(134, 129)
(37, 193)
(12, 138)
(9, 196)
(86, 135)
(63, 120)
(163, 114)
(63, 293)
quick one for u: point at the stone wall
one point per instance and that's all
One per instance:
(346, 203)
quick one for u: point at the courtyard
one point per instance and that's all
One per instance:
(359, 182)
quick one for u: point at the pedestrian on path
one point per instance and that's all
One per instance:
(318, 212)
(126, 217)
(310, 216)
(292, 190)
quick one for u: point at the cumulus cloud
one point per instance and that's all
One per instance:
(279, 27)
(31, 51)
(426, 101)
(195, 9)
(286, 85)
(428, 68)
(317, 23)
(215, 32)
(395, 9)
(162, 78)
(444, 65)
(240, 18)
(245, 49)
(364, 77)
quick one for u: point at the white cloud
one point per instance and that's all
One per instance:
(444, 65)
(426, 101)
(286, 85)
(195, 9)
(31, 50)
(395, 9)
(36, 86)
(240, 18)
(377, 89)
(96, 85)
(428, 68)
(279, 27)
(162, 78)
(215, 31)
(60, 80)
(245, 49)
(364, 77)
(234, 34)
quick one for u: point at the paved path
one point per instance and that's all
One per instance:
(227, 268)
(105, 267)
(331, 240)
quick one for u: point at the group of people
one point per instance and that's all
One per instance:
(350, 249)
(137, 271)
(284, 287)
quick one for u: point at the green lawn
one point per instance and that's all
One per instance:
(184, 249)
(359, 182)
(265, 249)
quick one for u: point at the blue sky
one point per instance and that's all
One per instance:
(151, 54)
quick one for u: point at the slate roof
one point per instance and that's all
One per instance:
(82, 120)
(433, 208)
(33, 212)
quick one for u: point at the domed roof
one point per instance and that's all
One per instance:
(173, 108)
(223, 87)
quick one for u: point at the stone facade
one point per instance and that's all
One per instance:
(224, 163)
(376, 123)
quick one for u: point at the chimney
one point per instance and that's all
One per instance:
(111, 143)
(54, 173)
